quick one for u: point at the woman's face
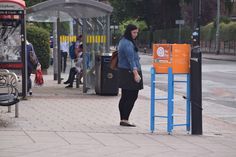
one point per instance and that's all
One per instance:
(134, 33)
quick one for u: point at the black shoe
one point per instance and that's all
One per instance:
(67, 82)
(69, 86)
(127, 124)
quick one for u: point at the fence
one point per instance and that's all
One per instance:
(208, 44)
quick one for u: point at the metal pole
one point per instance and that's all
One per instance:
(58, 52)
(152, 113)
(55, 46)
(179, 33)
(108, 34)
(170, 107)
(218, 27)
(24, 58)
(85, 51)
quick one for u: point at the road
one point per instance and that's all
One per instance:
(218, 81)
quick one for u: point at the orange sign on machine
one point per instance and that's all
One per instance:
(176, 56)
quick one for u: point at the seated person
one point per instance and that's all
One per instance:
(77, 69)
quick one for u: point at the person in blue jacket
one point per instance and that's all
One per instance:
(129, 73)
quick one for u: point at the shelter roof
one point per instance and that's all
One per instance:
(49, 11)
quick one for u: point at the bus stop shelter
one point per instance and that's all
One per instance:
(92, 16)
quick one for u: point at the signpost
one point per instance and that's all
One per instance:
(179, 22)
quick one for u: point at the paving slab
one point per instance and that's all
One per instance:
(65, 122)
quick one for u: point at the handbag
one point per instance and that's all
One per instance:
(126, 80)
(39, 77)
(114, 60)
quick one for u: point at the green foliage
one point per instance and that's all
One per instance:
(39, 37)
(227, 32)
(225, 19)
(140, 24)
(64, 28)
(30, 3)
(223, 32)
(172, 35)
(208, 32)
(45, 25)
(166, 36)
(232, 31)
(125, 9)
(158, 14)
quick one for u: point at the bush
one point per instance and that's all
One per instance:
(39, 37)
(224, 33)
(227, 32)
(208, 32)
(140, 24)
(172, 35)
(232, 31)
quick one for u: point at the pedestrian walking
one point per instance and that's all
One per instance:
(32, 64)
(129, 73)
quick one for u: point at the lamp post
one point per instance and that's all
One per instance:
(179, 22)
(196, 72)
(113, 36)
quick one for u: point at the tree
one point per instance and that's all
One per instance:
(161, 14)
(125, 9)
(140, 24)
(30, 3)
(158, 14)
(208, 10)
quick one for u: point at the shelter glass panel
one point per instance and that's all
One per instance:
(10, 36)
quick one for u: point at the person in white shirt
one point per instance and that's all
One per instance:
(64, 47)
(77, 69)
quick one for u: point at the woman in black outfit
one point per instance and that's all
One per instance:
(129, 73)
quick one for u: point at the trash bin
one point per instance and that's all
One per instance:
(106, 79)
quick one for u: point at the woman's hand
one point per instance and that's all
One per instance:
(38, 66)
(137, 77)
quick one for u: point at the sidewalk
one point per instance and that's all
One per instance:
(65, 122)
(219, 57)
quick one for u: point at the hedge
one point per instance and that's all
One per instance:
(39, 37)
(227, 32)
(168, 35)
(208, 33)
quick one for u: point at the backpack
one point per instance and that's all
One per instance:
(72, 51)
(33, 58)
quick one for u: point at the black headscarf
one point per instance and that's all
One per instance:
(128, 35)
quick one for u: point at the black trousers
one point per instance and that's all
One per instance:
(29, 81)
(71, 78)
(126, 104)
(63, 61)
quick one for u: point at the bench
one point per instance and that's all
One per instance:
(8, 90)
